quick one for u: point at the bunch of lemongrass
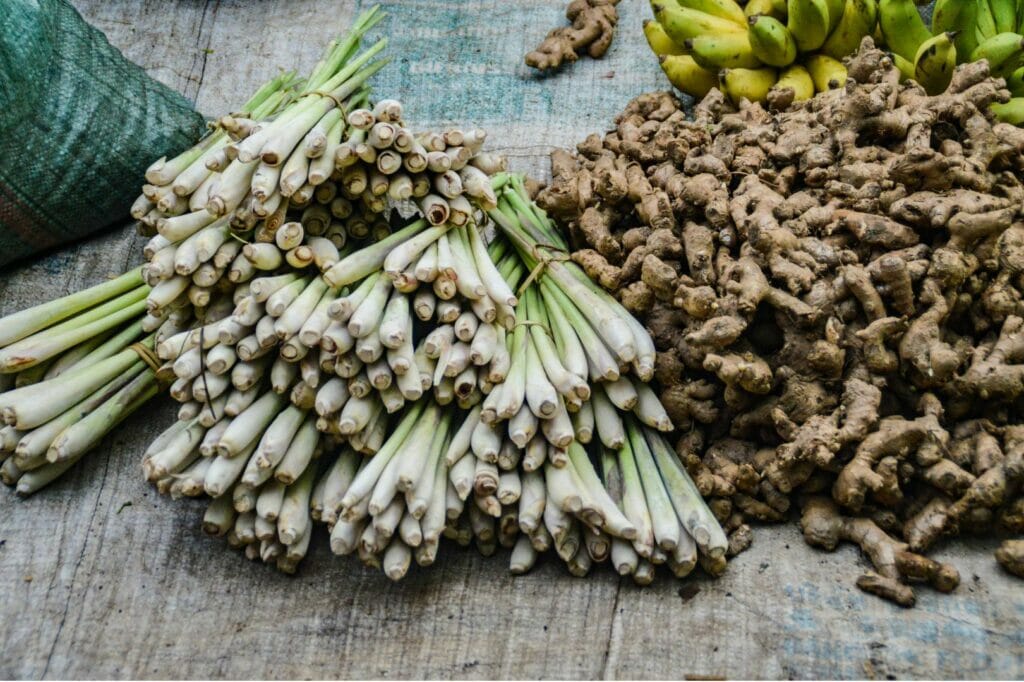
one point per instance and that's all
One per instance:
(70, 371)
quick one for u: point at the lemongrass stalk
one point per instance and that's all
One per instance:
(563, 380)
(610, 428)
(379, 374)
(298, 312)
(621, 393)
(281, 299)
(35, 443)
(331, 397)
(602, 364)
(535, 453)
(540, 393)
(583, 423)
(212, 411)
(285, 137)
(293, 521)
(79, 437)
(522, 427)
(246, 374)
(209, 386)
(418, 498)
(468, 279)
(367, 316)
(37, 404)
(33, 350)
(95, 349)
(496, 286)
(249, 424)
(365, 261)
(338, 479)
(664, 521)
(241, 269)
(462, 475)
(615, 522)
(278, 437)
(364, 481)
(348, 366)
(514, 394)
(406, 253)
(425, 448)
(219, 517)
(693, 512)
(649, 409)
(409, 531)
(269, 501)
(322, 166)
(282, 375)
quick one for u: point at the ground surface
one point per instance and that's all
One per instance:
(101, 578)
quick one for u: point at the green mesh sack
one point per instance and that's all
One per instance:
(79, 125)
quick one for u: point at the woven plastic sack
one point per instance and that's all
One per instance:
(79, 124)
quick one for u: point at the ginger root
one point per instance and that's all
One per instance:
(592, 29)
(836, 293)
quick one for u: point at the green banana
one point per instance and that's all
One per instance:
(934, 63)
(1009, 112)
(808, 21)
(902, 26)
(835, 12)
(684, 73)
(724, 9)
(827, 73)
(1003, 52)
(766, 7)
(859, 17)
(771, 41)
(682, 24)
(799, 80)
(1015, 82)
(1004, 13)
(659, 41)
(751, 84)
(957, 16)
(725, 51)
(906, 67)
(984, 22)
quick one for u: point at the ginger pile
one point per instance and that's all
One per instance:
(835, 291)
(592, 29)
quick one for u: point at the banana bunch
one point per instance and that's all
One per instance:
(975, 29)
(750, 49)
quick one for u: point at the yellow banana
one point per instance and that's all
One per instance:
(766, 7)
(1004, 14)
(858, 20)
(934, 63)
(1010, 112)
(771, 41)
(687, 76)
(725, 9)
(835, 12)
(659, 41)
(808, 22)
(726, 51)
(827, 73)
(902, 26)
(797, 79)
(957, 16)
(751, 84)
(906, 68)
(682, 24)
(1004, 53)
(1015, 83)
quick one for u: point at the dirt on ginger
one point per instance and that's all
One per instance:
(836, 291)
